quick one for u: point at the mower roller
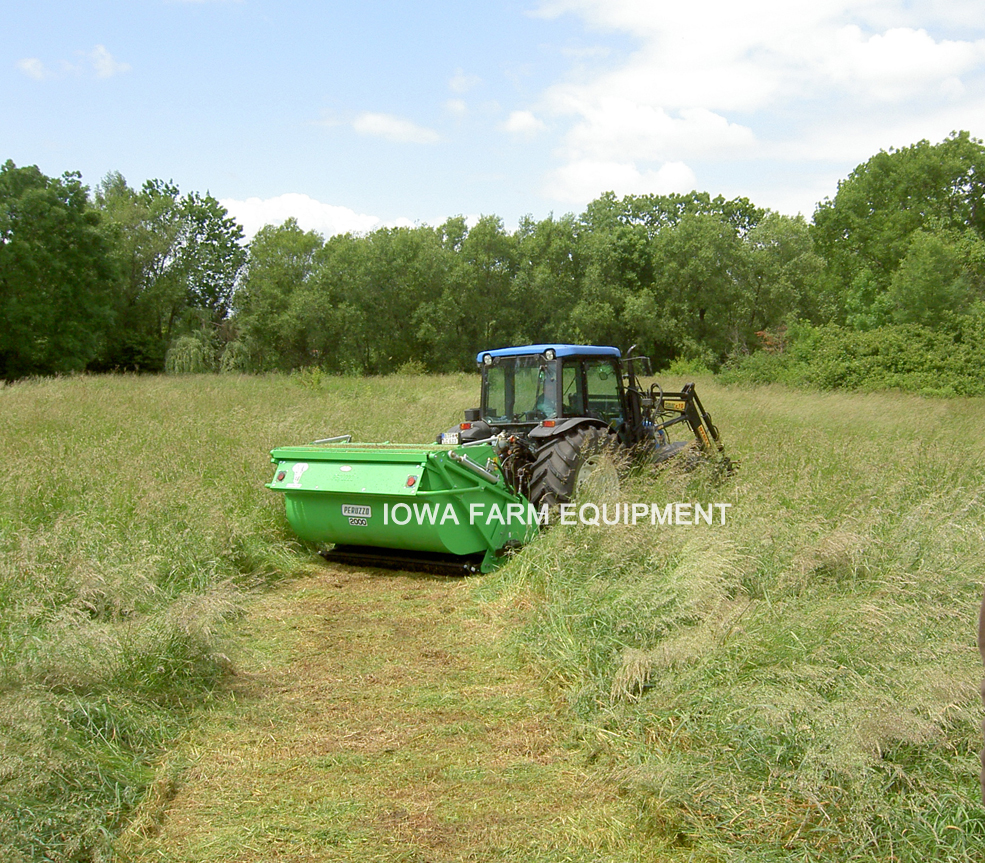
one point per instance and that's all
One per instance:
(550, 416)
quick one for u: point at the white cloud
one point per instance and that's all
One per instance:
(33, 68)
(721, 55)
(961, 16)
(621, 128)
(394, 129)
(462, 83)
(593, 52)
(581, 181)
(456, 107)
(872, 131)
(103, 63)
(725, 83)
(524, 123)
(311, 215)
(894, 64)
(952, 88)
(98, 62)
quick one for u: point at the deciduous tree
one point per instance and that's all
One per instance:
(55, 274)
(178, 259)
(866, 231)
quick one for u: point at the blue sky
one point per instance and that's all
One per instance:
(353, 115)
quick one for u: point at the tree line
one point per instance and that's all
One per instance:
(116, 278)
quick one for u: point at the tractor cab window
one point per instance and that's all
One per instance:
(602, 390)
(590, 387)
(572, 389)
(519, 389)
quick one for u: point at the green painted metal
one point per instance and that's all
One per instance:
(433, 499)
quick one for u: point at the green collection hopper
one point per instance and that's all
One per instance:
(441, 507)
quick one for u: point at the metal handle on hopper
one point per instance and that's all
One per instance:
(468, 464)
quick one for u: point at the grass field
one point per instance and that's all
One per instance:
(797, 684)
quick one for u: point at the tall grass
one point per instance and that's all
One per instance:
(801, 682)
(133, 520)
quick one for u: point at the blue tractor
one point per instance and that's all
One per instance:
(555, 412)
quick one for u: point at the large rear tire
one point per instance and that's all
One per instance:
(565, 465)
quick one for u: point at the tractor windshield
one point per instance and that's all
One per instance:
(519, 389)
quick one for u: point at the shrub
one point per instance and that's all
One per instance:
(412, 368)
(904, 357)
(186, 356)
(684, 367)
(235, 358)
(310, 378)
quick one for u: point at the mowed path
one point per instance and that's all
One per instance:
(374, 718)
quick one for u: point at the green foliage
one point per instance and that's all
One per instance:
(235, 358)
(784, 273)
(937, 279)
(412, 368)
(178, 260)
(907, 357)
(867, 230)
(364, 306)
(548, 280)
(685, 367)
(681, 274)
(655, 212)
(211, 256)
(865, 305)
(902, 243)
(268, 304)
(310, 378)
(187, 356)
(700, 270)
(54, 275)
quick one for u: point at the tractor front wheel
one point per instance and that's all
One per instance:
(564, 466)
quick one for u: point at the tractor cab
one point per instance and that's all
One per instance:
(534, 389)
(524, 386)
(548, 398)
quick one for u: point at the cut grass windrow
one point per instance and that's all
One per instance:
(376, 718)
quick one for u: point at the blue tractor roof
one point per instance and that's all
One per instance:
(559, 350)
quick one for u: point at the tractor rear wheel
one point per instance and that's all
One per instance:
(564, 466)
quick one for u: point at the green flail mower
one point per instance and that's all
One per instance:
(550, 417)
